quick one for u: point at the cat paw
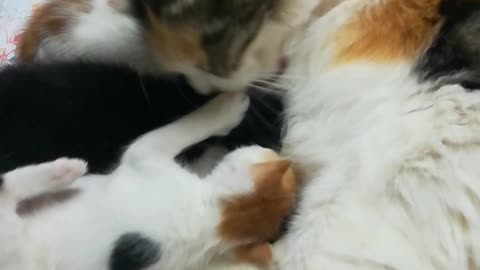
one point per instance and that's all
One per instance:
(65, 171)
(201, 86)
(230, 110)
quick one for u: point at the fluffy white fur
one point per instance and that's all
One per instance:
(148, 193)
(392, 175)
(103, 35)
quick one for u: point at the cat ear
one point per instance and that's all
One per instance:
(275, 174)
(259, 254)
(271, 169)
(257, 216)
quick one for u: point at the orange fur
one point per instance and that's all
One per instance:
(259, 254)
(391, 30)
(176, 44)
(257, 217)
(47, 19)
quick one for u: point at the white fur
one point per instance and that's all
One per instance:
(392, 170)
(148, 193)
(103, 35)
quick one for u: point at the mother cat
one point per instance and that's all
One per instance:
(384, 121)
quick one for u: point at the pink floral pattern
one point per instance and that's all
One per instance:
(13, 14)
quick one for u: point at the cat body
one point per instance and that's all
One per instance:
(152, 213)
(383, 123)
(212, 43)
(389, 155)
(94, 112)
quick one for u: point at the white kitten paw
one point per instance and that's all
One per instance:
(65, 171)
(230, 111)
(201, 85)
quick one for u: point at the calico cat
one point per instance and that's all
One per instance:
(93, 112)
(221, 45)
(383, 114)
(150, 212)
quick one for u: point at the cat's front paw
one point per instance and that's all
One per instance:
(64, 171)
(201, 85)
(230, 109)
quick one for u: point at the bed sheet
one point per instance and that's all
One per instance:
(13, 14)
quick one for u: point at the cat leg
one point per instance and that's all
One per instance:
(217, 118)
(29, 181)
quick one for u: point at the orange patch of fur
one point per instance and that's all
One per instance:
(176, 44)
(48, 19)
(257, 217)
(390, 30)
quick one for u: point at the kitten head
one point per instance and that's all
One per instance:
(258, 192)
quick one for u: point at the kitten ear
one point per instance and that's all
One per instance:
(271, 169)
(259, 254)
(275, 174)
(258, 216)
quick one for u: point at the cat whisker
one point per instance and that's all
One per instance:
(267, 90)
(255, 96)
(269, 83)
(261, 118)
(182, 93)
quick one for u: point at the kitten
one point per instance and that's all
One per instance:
(390, 146)
(151, 213)
(217, 44)
(384, 122)
(93, 112)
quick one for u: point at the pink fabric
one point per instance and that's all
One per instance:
(13, 14)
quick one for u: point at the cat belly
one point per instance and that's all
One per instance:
(78, 233)
(400, 193)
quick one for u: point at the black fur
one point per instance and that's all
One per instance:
(1, 182)
(133, 251)
(93, 111)
(454, 57)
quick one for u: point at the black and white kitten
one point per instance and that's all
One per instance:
(150, 213)
(94, 111)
